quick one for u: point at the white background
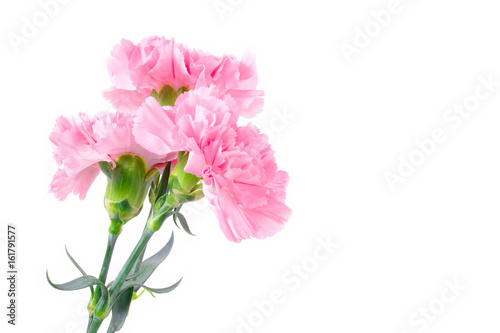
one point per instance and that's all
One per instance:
(348, 124)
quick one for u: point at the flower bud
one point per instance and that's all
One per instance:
(183, 186)
(128, 185)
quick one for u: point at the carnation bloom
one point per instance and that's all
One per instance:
(240, 176)
(197, 116)
(245, 187)
(81, 142)
(137, 70)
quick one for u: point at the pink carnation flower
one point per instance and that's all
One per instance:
(81, 142)
(198, 116)
(245, 187)
(136, 70)
(240, 175)
(235, 82)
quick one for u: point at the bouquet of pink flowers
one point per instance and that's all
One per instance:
(174, 139)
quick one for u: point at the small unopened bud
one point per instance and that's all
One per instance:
(183, 186)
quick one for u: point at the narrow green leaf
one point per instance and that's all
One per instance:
(175, 221)
(134, 275)
(147, 268)
(163, 290)
(149, 265)
(79, 268)
(121, 308)
(137, 286)
(112, 326)
(183, 222)
(74, 261)
(163, 187)
(78, 283)
(175, 215)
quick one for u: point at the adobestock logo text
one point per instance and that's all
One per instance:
(364, 35)
(423, 318)
(31, 25)
(293, 278)
(453, 118)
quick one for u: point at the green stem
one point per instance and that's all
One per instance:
(107, 257)
(135, 269)
(94, 325)
(104, 270)
(138, 263)
(129, 264)
(89, 323)
(133, 262)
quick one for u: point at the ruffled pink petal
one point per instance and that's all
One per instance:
(247, 191)
(173, 67)
(156, 62)
(250, 195)
(126, 100)
(215, 153)
(113, 135)
(73, 146)
(195, 164)
(79, 143)
(232, 220)
(155, 128)
(205, 129)
(62, 184)
(239, 221)
(249, 102)
(237, 80)
(118, 65)
(144, 58)
(272, 219)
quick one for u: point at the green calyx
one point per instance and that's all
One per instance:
(183, 187)
(128, 185)
(167, 95)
